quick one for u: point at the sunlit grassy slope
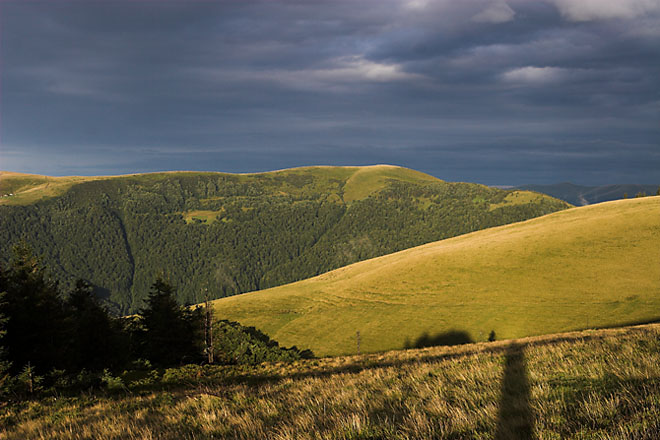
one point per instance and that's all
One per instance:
(584, 267)
(367, 180)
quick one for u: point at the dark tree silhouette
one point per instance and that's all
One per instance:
(171, 332)
(208, 330)
(95, 338)
(35, 329)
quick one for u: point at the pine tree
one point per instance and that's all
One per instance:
(171, 332)
(35, 330)
(94, 340)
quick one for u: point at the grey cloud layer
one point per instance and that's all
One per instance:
(486, 90)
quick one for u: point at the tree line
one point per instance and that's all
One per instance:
(51, 338)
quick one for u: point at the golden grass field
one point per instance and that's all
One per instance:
(587, 267)
(598, 384)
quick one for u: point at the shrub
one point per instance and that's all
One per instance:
(237, 344)
(112, 383)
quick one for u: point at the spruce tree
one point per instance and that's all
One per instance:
(171, 332)
(35, 330)
(94, 340)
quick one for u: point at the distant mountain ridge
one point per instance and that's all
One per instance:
(580, 195)
(233, 233)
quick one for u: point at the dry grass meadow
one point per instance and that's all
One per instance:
(598, 384)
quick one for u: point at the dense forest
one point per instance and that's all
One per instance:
(227, 234)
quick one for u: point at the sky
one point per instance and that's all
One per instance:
(500, 92)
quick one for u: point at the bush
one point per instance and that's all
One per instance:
(27, 381)
(237, 344)
(112, 383)
(185, 374)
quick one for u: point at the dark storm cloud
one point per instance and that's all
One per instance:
(491, 91)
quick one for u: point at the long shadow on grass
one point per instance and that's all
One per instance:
(515, 419)
(369, 362)
(238, 374)
(452, 337)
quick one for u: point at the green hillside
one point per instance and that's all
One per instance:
(236, 233)
(584, 267)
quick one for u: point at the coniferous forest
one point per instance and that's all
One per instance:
(228, 234)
